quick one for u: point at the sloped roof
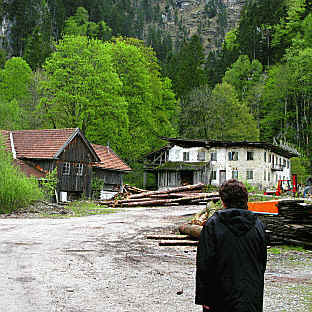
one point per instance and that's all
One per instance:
(109, 160)
(29, 170)
(49, 143)
(43, 143)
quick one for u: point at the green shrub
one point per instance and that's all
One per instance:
(16, 190)
(48, 184)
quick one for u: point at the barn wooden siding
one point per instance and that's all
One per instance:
(112, 180)
(75, 153)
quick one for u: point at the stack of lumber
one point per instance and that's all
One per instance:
(132, 189)
(182, 195)
(292, 225)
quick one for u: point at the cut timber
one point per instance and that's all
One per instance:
(170, 190)
(168, 237)
(159, 202)
(192, 230)
(178, 243)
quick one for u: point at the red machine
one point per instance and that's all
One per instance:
(285, 186)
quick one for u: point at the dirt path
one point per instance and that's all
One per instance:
(104, 263)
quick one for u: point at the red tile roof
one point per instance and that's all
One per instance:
(109, 160)
(40, 144)
(44, 144)
(29, 170)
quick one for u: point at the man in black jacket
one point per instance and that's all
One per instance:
(231, 256)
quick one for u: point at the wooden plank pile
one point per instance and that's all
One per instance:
(182, 195)
(293, 224)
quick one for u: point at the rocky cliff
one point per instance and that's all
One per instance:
(211, 19)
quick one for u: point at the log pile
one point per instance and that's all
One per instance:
(292, 225)
(182, 195)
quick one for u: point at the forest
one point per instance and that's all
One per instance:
(104, 66)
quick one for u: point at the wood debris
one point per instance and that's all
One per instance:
(182, 195)
(292, 225)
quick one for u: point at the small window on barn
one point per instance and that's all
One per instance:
(235, 174)
(233, 155)
(213, 175)
(249, 175)
(201, 156)
(66, 168)
(213, 156)
(79, 169)
(186, 156)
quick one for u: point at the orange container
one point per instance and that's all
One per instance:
(265, 207)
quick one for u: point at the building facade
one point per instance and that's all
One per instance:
(212, 162)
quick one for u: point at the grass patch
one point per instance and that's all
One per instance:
(284, 248)
(81, 209)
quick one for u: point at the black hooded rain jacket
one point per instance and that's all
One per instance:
(231, 260)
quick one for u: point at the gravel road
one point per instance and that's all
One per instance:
(105, 263)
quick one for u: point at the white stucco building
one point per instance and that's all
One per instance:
(211, 162)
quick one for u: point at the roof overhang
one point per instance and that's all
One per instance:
(187, 143)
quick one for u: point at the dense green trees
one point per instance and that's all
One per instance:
(186, 67)
(116, 89)
(217, 114)
(112, 91)
(15, 80)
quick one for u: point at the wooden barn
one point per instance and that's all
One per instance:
(38, 152)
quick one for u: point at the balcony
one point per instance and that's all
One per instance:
(277, 167)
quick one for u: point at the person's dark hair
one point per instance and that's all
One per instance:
(234, 194)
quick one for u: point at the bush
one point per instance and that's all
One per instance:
(16, 190)
(48, 184)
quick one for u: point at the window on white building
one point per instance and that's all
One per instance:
(201, 156)
(270, 158)
(269, 176)
(265, 156)
(213, 175)
(235, 174)
(264, 175)
(66, 168)
(186, 156)
(233, 155)
(250, 155)
(213, 156)
(249, 175)
(288, 164)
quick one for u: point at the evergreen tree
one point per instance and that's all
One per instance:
(217, 114)
(186, 67)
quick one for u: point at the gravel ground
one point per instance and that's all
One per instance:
(105, 263)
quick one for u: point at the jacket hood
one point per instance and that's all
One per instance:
(238, 221)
